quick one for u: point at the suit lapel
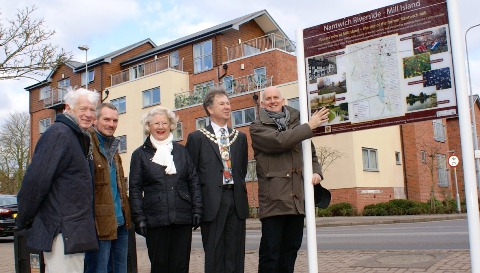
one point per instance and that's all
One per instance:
(214, 145)
(233, 149)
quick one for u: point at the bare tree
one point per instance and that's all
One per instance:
(428, 153)
(14, 151)
(24, 48)
(327, 155)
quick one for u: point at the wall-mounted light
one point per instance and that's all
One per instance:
(242, 66)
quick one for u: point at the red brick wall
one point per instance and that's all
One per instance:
(360, 199)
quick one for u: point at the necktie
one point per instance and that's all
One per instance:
(225, 153)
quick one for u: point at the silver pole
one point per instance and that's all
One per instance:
(474, 124)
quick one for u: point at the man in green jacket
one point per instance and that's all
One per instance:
(112, 209)
(276, 139)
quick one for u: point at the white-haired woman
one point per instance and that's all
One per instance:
(165, 194)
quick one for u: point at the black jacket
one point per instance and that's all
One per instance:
(57, 190)
(163, 199)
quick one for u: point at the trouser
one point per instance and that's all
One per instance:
(56, 261)
(224, 238)
(281, 239)
(111, 253)
(169, 248)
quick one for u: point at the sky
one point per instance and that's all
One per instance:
(108, 25)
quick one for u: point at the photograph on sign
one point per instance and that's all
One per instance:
(388, 66)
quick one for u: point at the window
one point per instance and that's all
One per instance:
(370, 162)
(202, 122)
(202, 56)
(423, 156)
(398, 160)
(228, 84)
(260, 76)
(251, 171)
(122, 148)
(121, 104)
(137, 71)
(151, 97)
(243, 117)
(438, 130)
(44, 124)
(294, 103)
(45, 92)
(442, 171)
(64, 84)
(91, 76)
(178, 132)
(174, 59)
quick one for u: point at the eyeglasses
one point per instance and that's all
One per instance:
(161, 124)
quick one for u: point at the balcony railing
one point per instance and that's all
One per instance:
(56, 97)
(236, 86)
(144, 69)
(258, 45)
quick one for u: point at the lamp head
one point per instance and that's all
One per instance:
(83, 47)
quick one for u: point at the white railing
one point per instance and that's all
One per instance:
(258, 45)
(249, 83)
(144, 69)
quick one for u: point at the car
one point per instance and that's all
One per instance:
(8, 212)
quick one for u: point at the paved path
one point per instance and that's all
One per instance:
(371, 261)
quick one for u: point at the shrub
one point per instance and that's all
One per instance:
(342, 209)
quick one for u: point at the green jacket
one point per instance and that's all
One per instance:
(105, 219)
(279, 160)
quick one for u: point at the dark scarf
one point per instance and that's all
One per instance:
(281, 119)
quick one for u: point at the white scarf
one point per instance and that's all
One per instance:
(163, 156)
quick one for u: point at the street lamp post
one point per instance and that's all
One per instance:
(85, 48)
(474, 124)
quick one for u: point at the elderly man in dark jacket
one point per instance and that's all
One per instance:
(276, 139)
(56, 196)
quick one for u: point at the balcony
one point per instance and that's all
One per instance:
(55, 100)
(145, 69)
(258, 45)
(245, 84)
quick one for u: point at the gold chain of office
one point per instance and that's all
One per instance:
(213, 137)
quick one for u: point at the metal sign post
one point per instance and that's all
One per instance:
(453, 162)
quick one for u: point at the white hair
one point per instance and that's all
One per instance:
(159, 110)
(72, 96)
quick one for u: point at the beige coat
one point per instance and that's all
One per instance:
(280, 164)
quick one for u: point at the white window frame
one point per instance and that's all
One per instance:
(294, 103)
(202, 122)
(442, 171)
(137, 71)
(122, 148)
(43, 125)
(151, 96)
(242, 112)
(370, 159)
(178, 132)
(438, 130)
(91, 76)
(202, 56)
(120, 103)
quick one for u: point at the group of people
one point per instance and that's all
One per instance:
(74, 194)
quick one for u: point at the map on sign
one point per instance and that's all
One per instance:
(374, 72)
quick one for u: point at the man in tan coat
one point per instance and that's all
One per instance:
(276, 139)
(112, 209)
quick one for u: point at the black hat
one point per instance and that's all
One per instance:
(322, 196)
